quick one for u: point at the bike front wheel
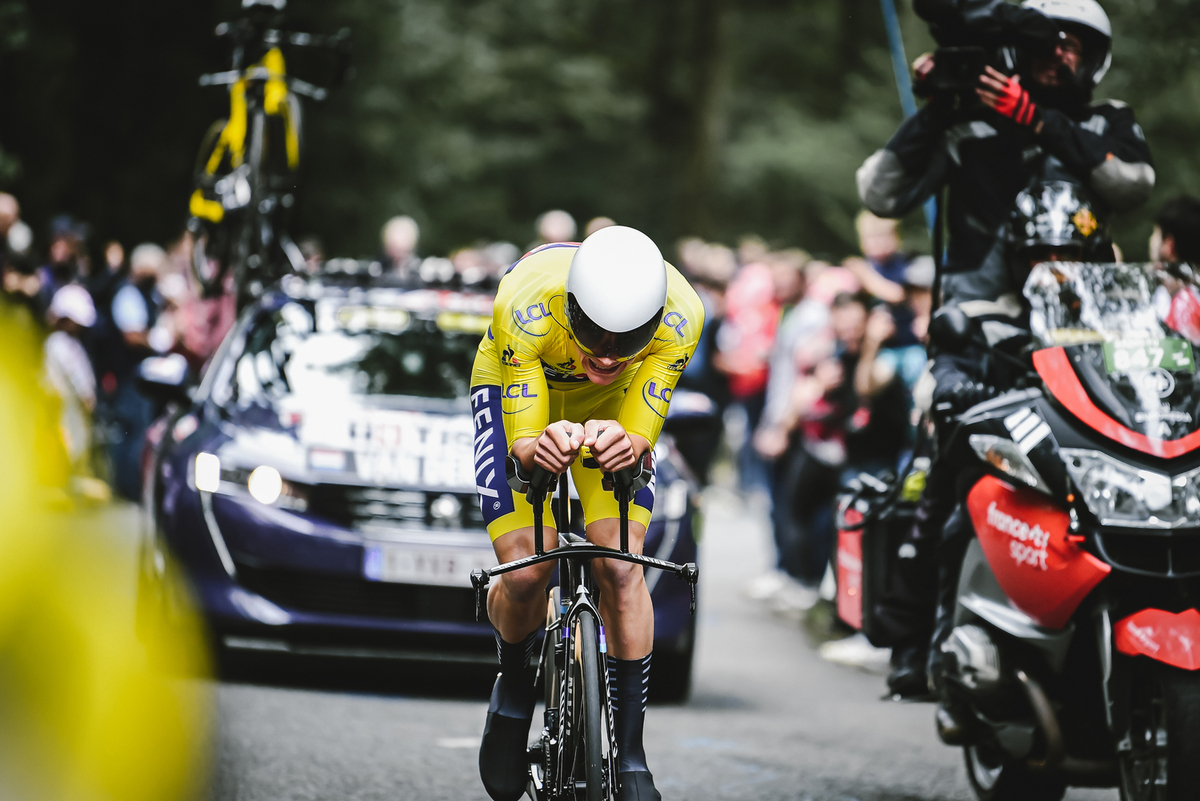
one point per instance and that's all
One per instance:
(590, 752)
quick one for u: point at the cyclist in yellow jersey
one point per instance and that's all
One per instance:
(586, 345)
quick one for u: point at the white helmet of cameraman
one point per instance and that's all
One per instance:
(1087, 18)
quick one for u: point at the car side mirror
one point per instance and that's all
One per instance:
(165, 378)
(950, 329)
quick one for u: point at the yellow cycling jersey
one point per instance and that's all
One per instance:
(528, 351)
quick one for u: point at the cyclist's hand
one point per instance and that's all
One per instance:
(613, 449)
(558, 445)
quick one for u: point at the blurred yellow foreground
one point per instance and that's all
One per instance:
(82, 714)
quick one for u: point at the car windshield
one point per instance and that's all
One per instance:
(328, 350)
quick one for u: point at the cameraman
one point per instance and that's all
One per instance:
(986, 144)
(988, 141)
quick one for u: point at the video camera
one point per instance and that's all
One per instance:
(974, 34)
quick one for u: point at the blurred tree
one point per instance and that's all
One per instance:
(99, 102)
(703, 117)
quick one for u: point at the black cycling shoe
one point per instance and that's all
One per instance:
(908, 678)
(637, 785)
(503, 760)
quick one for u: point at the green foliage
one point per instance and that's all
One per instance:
(1155, 51)
(707, 117)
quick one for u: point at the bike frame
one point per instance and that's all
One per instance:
(244, 215)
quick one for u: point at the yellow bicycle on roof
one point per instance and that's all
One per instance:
(247, 167)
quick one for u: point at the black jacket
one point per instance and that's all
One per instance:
(986, 159)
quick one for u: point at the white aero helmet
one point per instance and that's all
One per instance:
(616, 291)
(1087, 18)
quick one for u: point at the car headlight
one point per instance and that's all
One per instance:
(264, 483)
(1120, 494)
(207, 472)
(1004, 455)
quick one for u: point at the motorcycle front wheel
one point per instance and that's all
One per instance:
(1163, 763)
(994, 779)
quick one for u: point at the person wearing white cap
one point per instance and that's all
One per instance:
(135, 312)
(67, 367)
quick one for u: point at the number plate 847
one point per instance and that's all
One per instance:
(1169, 353)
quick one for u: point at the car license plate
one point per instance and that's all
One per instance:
(421, 564)
(1143, 353)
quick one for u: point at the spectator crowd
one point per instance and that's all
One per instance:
(816, 363)
(101, 318)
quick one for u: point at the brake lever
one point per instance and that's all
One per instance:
(691, 574)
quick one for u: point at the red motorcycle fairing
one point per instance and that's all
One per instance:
(1055, 369)
(1173, 639)
(1024, 537)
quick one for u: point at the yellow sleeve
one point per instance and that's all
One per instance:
(523, 390)
(645, 406)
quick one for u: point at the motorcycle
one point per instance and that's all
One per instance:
(1075, 654)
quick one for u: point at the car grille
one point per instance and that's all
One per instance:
(340, 595)
(363, 508)
(1175, 554)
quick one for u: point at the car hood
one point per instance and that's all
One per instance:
(419, 445)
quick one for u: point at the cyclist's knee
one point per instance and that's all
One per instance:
(616, 577)
(529, 583)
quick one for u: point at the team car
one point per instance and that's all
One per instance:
(317, 491)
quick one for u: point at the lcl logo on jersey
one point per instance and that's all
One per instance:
(514, 391)
(651, 389)
(533, 313)
(675, 320)
(663, 394)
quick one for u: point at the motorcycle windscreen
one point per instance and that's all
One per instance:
(1024, 537)
(1124, 362)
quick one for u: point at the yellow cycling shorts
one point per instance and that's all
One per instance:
(504, 510)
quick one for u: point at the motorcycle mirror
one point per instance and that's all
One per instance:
(950, 329)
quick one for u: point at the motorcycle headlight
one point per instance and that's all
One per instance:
(1119, 494)
(1004, 455)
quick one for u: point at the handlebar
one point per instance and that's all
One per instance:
(262, 74)
(249, 33)
(274, 36)
(480, 578)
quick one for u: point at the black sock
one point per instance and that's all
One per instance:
(629, 689)
(514, 695)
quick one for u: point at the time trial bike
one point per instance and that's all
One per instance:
(575, 757)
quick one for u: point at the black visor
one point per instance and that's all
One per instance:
(603, 344)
